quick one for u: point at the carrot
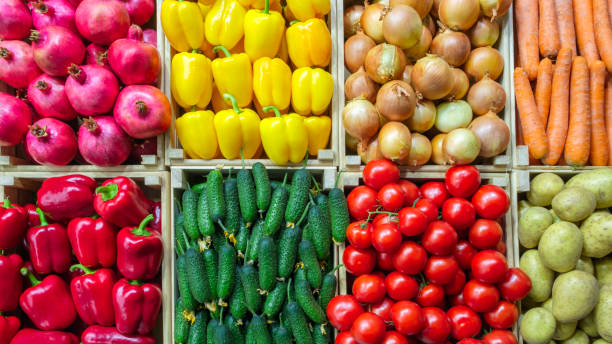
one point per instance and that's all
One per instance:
(585, 31)
(565, 21)
(603, 31)
(578, 143)
(543, 88)
(526, 17)
(609, 117)
(599, 139)
(610, 9)
(559, 107)
(548, 30)
(531, 122)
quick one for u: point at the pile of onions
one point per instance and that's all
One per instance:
(421, 48)
(453, 115)
(385, 62)
(360, 119)
(461, 146)
(424, 117)
(495, 8)
(352, 19)
(421, 6)
(396, 101)
(487, 95)
(493, 134)
(485, 32)
(351, 142)
(461, 85)
(454, 47)
(438, 156)
(369, 151)
(420, 151)
(406, 75)
(459, 14)
(432, 77)
(359, 85)
(394, 140)
(483, 61)
(356, 49)
(402, 26)
(372, 21)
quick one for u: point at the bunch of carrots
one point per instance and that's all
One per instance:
(569, 115)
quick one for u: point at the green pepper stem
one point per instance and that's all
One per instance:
(27, 273)
(135, 282)
(338, 177)
(195, 51)
(85, 269)
(7, 204)
(232, 99)
(273, 108)
(108, 192)
(95, 216)
(43, 219)
(335, 269)
(293, 22)
(223, 49)
(267, 7)
(141, 230)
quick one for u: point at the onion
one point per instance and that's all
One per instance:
(421, 6)
(487, 95)
(432, 77)
(420, 151)
(495, 8)
(459, 14)
(429, 23)
(482, 61)
(460, 85)
(382, 2)
(352, 18)
(424, 117)
(372, 22)
(369, 151)
(493, 133)
(435, 8)
(461, 146)
(396, 100)
(360, 119)
(406, 75)
(402, 26)
(484, 32)
(355, 50)
(437, 150)
(420, 49)
(454, 47)
(394, 140)
(350, 142)
(385, 62)
(359, 85)
(453, 115)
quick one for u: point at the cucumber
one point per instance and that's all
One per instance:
(247, 196)
(304, 298)
(320, 234)
(237, 303)
(275, 300)
(338, 210)
(253, 245)
(214, 195)
(232, 205)
(189, 303)
(262, 186)
(306, 233)
(250, 284)
(223, 335)
(274, 216)
(210, 331)
(242, 239)
(205, 222)
(199, 188)
(287, 250)
(260, 329)
(267, 262)
(225, 272)
(328, 289)
(181, 323)
(298, 323)
(196, 276)
(218, 240)
(312, 268)
(197, 333)
(281, 335)
(211, 263)
(300, 187)
(181, 238)
(190, 205)
(274, 184)
(321, 334)
(235, 328)
(322, 201)
(251, 336)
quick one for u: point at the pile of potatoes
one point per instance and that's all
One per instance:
(565, 230)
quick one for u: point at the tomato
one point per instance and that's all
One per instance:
(383, 308)
(441, 270)
(407, 317)
(435, 191)
(456, 300)
(489, 266)
(342, 311)
(369, 289)
(411, 192)
(470, 341)
(499, 337)
(503, 316)
(380, 172)
(456, 285)
(464, 252)
(410, 259)
(393, 337)
(491, 202)
(428, 207)
(462, 181)
(515, 286)
(430, 295)
(368, 328)
(345, 338)
(439, 238)
(391, 197)
(385, 218)
(501, 247)
(485, 234)
(464, 321)
(361, 200)
(437, 326)
(459, 213)
(359, 234)
(479, 296)
(384, 261)
(401, 287)
(359, 261)
(386, 238)
(412, 221)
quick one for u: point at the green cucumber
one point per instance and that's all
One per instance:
(211, 263)
(214, 195)
(232, 205)
(304, 298)
(320, 234)
(262, 186)
(190, 205)
(321, 334)
(339, 215)
(225, 274)
(275, 214)
(247, 196)
(260, 328)
(328, 289)
(181, 238)
(210, 331)
(300, 188)
(250, 285)
(281, 335)
(205, 222)
(306, 233)
(322, 201)
(196, 276)
(218, 240)
(197, 333)
(223, 335)
(189, 303)
(287, 250)
(308, 256)
(242, 239)
(267, 262)
(298, 323)
(253, 245)
(275, 300)
(199, 188)
(181, 323)
(237, 303)
(235, 328)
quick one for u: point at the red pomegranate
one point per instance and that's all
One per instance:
(140, 10)
(52, 13)
(51, 142)
(15, 117)
(56, 48)
(47, 96)
(91, 89)
(143, 111)
(97, 55)
(102, 142)
(102, 21)
(134, 61)
(17, 66)
(15, 20)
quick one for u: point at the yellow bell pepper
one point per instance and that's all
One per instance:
(307, 9)
(283, 53)
(234, 75)
(224, 23)
(272, 82)
(275, 5)
(284, 138)
(237, 130)
(318, 128)
(311, 90)
(263, 32)
(309, 43)
(218, 103)
(196, 132)
(204, 8)
(183, 24)
(191, 79)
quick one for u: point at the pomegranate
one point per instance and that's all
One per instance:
(102, 142)
(134, 61)
(15, 21)
(142, 147)
(143, 111)
(51, 142)
(15, 116)
(102, 21)
(91, 89)
(56, 48)
(150, 36)
(47, 96)
(75, 3)
(52, 13)
(17, 66)
(97, 55)
(140, 10)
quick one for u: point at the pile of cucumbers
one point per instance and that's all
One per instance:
(254, 258)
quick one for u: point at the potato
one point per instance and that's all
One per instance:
(560, 246)
(603, 313)
(603, 270)
(574, 204)
(563, 330)
(574, 295)
(597, 234)
(537, 326)
(587, 324)
(585, 264)
(541, 276)
(532, 224)
(601, 341)
(544, 187)
(578, 337)
(599, 182)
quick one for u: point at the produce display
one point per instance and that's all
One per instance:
(423, 84)
(82, 265)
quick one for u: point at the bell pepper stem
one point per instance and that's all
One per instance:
(43, 219)
(223, 49)
(95, 216)
(141, 230)
(135, 282)
(293, 22)
(267, 7)
(230, 98)
(108, 192)
(27, 273)
(305, 162)
(338, 177)
(272, 108)
(7, 204)
(85, 269)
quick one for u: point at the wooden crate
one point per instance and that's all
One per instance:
(21, 188)
(352, 162)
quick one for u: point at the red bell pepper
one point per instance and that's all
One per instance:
(139, 251)
(157, 217)
(92, 294)
(48, 303)
(94, 241)
(33, 218)
(136, 306)
(8, 328)
(30, 336)
(66, 197)
(121, 202)
(12, 282)
(49, 247)
(13, 224)
(109, 335)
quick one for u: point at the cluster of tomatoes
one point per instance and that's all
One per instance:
(428, 262)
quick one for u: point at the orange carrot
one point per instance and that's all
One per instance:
(559, 107)
(565, 21)
(578, 143)
(599, 139)
(531, 122)
(609, 117)
(548, 30)
(543, 88)
(603, 31)
(610, 9)
(585, 31)
(526, 17)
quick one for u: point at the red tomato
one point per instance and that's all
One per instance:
(369, 289)
(479, 296)
(464, 321)
(411, 192)
(359, 234)
(462, 181)
(384, 261)
(430, 295)
(380, 172)
(441, 270)
(491, 202)
(391, 197)
(435, 191)
(383, 308)
(407, 317)
(489, 266)
(393, 337)
(410, 259)
(459, 213)
(428, 207)
(439, 238)
(386, 238)
(368, 328)
(499, 337)
(359, 261)
(385, 218)
(501, 247)
(361, 200)
(470, 341)
(503, 316)
(464, 252)
(401, 287)
(345, 338)
(515, 286)
(456, 300)
(412, 221)
(342, 311)
(485, 234)
(456, 285)
(437, 326)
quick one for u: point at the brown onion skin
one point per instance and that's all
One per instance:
(355, 50)
(435, 8)
(461, 85)
(495, 8)
(402, 26)
(394, 140)
(424, 117)
(493, 133)
(487, 95)
(385, 62)
(350, 143)
(360, 119)
(420, 151)
(352, 20)
(432, 77)
(429, 23)
(420, 49)
(369, 151)
(406, 74)
(396, 100)
(454, 47)
(359, 85)
(461, 146)
(459, 15)
(421, 6)
(485, 32)
(371, 22)
(438, 156)
(483, 61)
